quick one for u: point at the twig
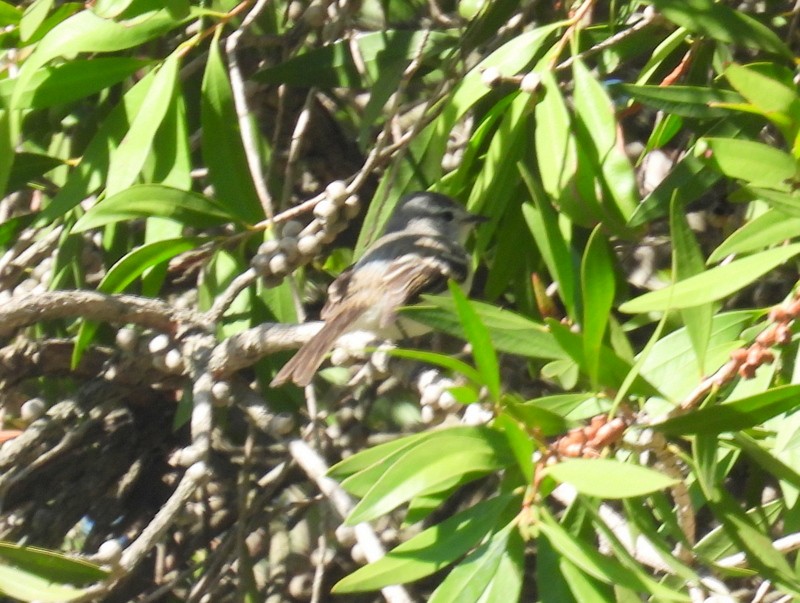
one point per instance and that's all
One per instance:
(150, 313)
(315, 467)
(194, 476)
(784, 545)
(245, 348)
(224, 301)
(298, 135)
(646, 20)
(249, 141)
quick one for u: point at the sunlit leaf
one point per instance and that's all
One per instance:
(607, 478)
(712, 285)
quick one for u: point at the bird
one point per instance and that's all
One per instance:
(421, 248)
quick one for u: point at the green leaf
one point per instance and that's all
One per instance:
(613, 371)
(763, 231)
(713, 284)
(595, 113)
(128, 159)
(136, 262)
(556, 150)
(722, 23)
(519, 441)
(366, 458)
(223, 150)
(606, 569)
(9, 15)
(687, 261)
(28, 586)
(607, 478)
(123, 273)
(56, 566)
(90, 173)
(509, 59)
(445, 458)
(473, 577)
(734, 416)
(86, 32)
(509, 331)
(29, 166)
(452, 364)
(79, 78)
(598, 285)
(478, 336)
(672, 367)
(785, 202)
(149, 200)
(429, 551)
(776, 101)
(542, 220)
(754, 162)
(33, 17)
(686, 101)
(536, 415)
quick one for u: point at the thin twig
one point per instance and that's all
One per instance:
(316, 468)
(249, 139)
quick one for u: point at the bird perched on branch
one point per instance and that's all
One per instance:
(421, 248)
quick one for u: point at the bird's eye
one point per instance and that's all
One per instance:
(448, 216)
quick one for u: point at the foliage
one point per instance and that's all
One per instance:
(178, 177)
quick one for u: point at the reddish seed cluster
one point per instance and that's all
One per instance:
(777, 333)
(588, 441)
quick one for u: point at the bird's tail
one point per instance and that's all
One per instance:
(302, 366)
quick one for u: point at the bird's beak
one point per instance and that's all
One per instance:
(476, 219)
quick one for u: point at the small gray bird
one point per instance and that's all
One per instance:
(421, 248)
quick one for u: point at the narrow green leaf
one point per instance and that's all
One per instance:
(27, 586)
(686, 101)
(785, 202)
(79, 78)
(33, 17)
(509, 59)
(429, 551)
(606, 569)
(687, 261)
(712, 285)
(775, 100)
(90, 174)
(448, 362)
(472, 578)
(123, 273)
(366, 458)
(447, 457)
(509, 331)
(478, 336)
(29, 166)
(754, 162)
(607, 478)
(598, 287)
(542, 220)
(734, 416)
(54, 565)
(672, 367)
(773, 226)
(223, 150)
(722, 23)
(149, 200)
(87, 32)
(519, 442)
(595, 113)
(556, 150)
(9, 15)
(127, 160)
